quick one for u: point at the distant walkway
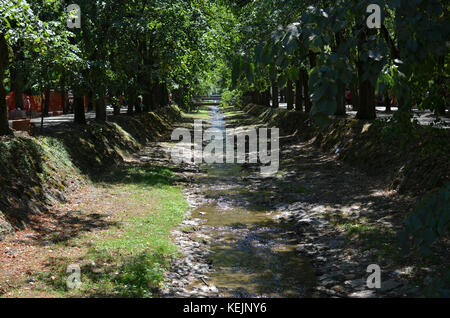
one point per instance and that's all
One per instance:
(68, 118)
(212, 100)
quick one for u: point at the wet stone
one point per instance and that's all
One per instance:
(338, 263)
(389, 285)
(363, 294)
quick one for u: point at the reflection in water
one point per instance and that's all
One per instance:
(252, 252)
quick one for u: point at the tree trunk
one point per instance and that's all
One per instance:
(308, 103)
(164, 95)
(312, 63)
(289, 95)
(159, 96)
(154, 100)
(90, 97)
(16, 75)
(79, 115)
(63, 96)
(131, 100)
(4, 126)
(355, 97)
(130, 109)
(275, 103)
(387, 101)
(340, 96)
(366, 108)
(262, 98)
(63, 102)
(46, 103)
(442, 88)
(148, 100)
(312, 59)
(17, 86)
(282, 94)
(116, 104)
(266, 95)
(340, 101)
(299, 95)
(100, 109)
(42, 113)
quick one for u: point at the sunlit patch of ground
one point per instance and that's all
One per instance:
(116, 230)
(202, 112)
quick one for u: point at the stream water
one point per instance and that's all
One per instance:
(252, 253)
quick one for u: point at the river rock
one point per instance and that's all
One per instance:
(363, 294)
(389, 285)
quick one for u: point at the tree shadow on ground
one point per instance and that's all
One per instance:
(146, 175)
(64, 227)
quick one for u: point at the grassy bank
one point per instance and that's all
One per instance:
(35, 172)
(125, 246)
(114, 223)
(412, 158)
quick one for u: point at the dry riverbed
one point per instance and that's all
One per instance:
(309, 231)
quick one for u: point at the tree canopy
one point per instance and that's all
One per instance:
(148, 48)
(329, 45)
(132, 48)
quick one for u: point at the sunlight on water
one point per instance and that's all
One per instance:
(252, 254)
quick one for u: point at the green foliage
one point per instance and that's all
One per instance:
(439, 287)
(323, 87)
(123, 48)
(18, 22)
(230, 97)
(429, 221)
(332, 42)
(140, 275)
(401, 128)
